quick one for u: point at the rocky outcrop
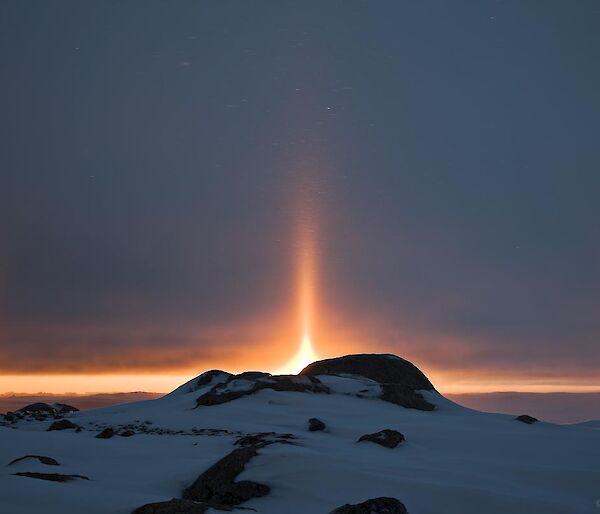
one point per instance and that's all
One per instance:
(62, 424)
(217, 486)
(400, 380)
(53, 477)
(174, 506)
(37, 412)
(316, 425)
(38, 408)
(387, 438)
(261, 439)
(49, 461)
(525, 418)
(251, 382)
(107, 433)
(209, 376)
(63, 408)
(404, 396)
(381, 505)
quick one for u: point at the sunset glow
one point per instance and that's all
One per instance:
(305, 355)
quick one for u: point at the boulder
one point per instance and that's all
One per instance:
(107, 433)
(400, 380)
(315, 425)
(62, 424)
(383, 368)
(217, 486)
(387, 438)
(381, 505)
(525, 418)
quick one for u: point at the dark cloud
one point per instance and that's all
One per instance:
(150, 156)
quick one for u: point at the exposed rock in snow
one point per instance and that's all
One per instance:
(208, 378)
(251, 382)
(63, 408)
(38, 407)
(263, 439)
(374, 506)
(316, 425)
(62, 424)
(42, 459)
(380, 368)
(404, 396)
(400, 380)
(52, 477)
(387, 437)
(217, 485)
(525, 418)
(107, 433)
(37, 412)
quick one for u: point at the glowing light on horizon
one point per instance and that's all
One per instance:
(304, 356)
(306, 266)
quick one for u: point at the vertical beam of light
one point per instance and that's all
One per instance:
(306, 276)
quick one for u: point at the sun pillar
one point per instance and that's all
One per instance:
(306, 279)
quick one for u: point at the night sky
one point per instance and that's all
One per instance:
(156, 158)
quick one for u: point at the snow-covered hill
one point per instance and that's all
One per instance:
(453, 459)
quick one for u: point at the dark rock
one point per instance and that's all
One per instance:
(49, 461)
(388, 438)
(53, 477)
(63, 408)
(385, 369)
(527, 419)
(216, 485)
(263, 439)
(127, 433)
(315, 425)
(107, 433)
(174, 506)
(62, 424)
(400, 379)
(208, 376)
(374, 506)
(37, 408)
(404, 396)
(252, 440)
(221, 393)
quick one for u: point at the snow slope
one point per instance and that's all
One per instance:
(454, 460)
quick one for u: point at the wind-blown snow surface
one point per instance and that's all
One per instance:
(455, 460)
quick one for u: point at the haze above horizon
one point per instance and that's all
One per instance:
(255, 185)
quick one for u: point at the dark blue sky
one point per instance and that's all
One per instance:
(150, 153)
